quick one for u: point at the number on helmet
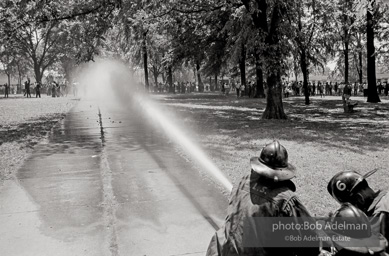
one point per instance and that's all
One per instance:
(340, 185)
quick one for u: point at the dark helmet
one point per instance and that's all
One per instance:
(344, 184)
(350, 214)
(353, 231)
(273, 162)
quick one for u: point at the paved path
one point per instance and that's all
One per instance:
(107, 183)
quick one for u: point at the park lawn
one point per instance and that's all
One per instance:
(25, 122)
(321, 140)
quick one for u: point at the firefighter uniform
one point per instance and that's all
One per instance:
(266, 192)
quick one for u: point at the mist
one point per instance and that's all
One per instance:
(108, 81)
(111, 84)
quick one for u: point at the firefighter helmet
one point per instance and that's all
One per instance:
(352, 230)
(344, 184)
(273, 163)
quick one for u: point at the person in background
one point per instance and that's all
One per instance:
(330, 88)
(250, 88)
(355, 89)
(54, 85)
(6, 90)
(313, 88)
(27, 86)
(237, 88)
(242, 90)
(38, 90)
(379, 88)
(227, 88)
(347, 92)
(321, 89)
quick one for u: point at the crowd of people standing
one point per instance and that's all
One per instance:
(323, 89)
(315, 88)
(28, 88)
(52, 88)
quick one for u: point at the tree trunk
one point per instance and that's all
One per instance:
(41, 76)
(360, 71)
(145, 64)
(37, 72)
(372, 94)
(170, 79)
(9, 82)
(260, 93)
(216, 85)
(346, 62)
(155, 73)
(19, 86)
(211, 86)
(296, 76)
(200, 83)
(274, 107)
(304, 69)
(273, 54)
(242, 67)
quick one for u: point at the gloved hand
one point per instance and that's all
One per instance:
(325, 253)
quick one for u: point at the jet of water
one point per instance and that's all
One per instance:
(175, 134)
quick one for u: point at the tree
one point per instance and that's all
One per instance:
(269, 18)
(22, 66)
(359, 53)
(43, 36)
(189, 29)
(7, 61)
(240, 29)
(218, 52)
(39, 44)
(347, 20)
(157, 50)
(371, 12)
(309, 21)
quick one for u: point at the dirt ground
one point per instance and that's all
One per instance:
(320, 138)
(24, 122)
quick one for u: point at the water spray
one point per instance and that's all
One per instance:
(174, 133)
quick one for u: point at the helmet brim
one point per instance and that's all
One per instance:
(280, 174)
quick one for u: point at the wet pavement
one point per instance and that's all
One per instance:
(108, 183)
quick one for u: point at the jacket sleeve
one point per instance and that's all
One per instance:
(384, 227)
(293, 208)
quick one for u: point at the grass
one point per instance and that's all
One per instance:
(24, 122)
(321, 140)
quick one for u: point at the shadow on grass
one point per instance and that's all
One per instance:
(26, 132)
(323, 121)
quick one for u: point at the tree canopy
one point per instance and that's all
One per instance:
(210, 37)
